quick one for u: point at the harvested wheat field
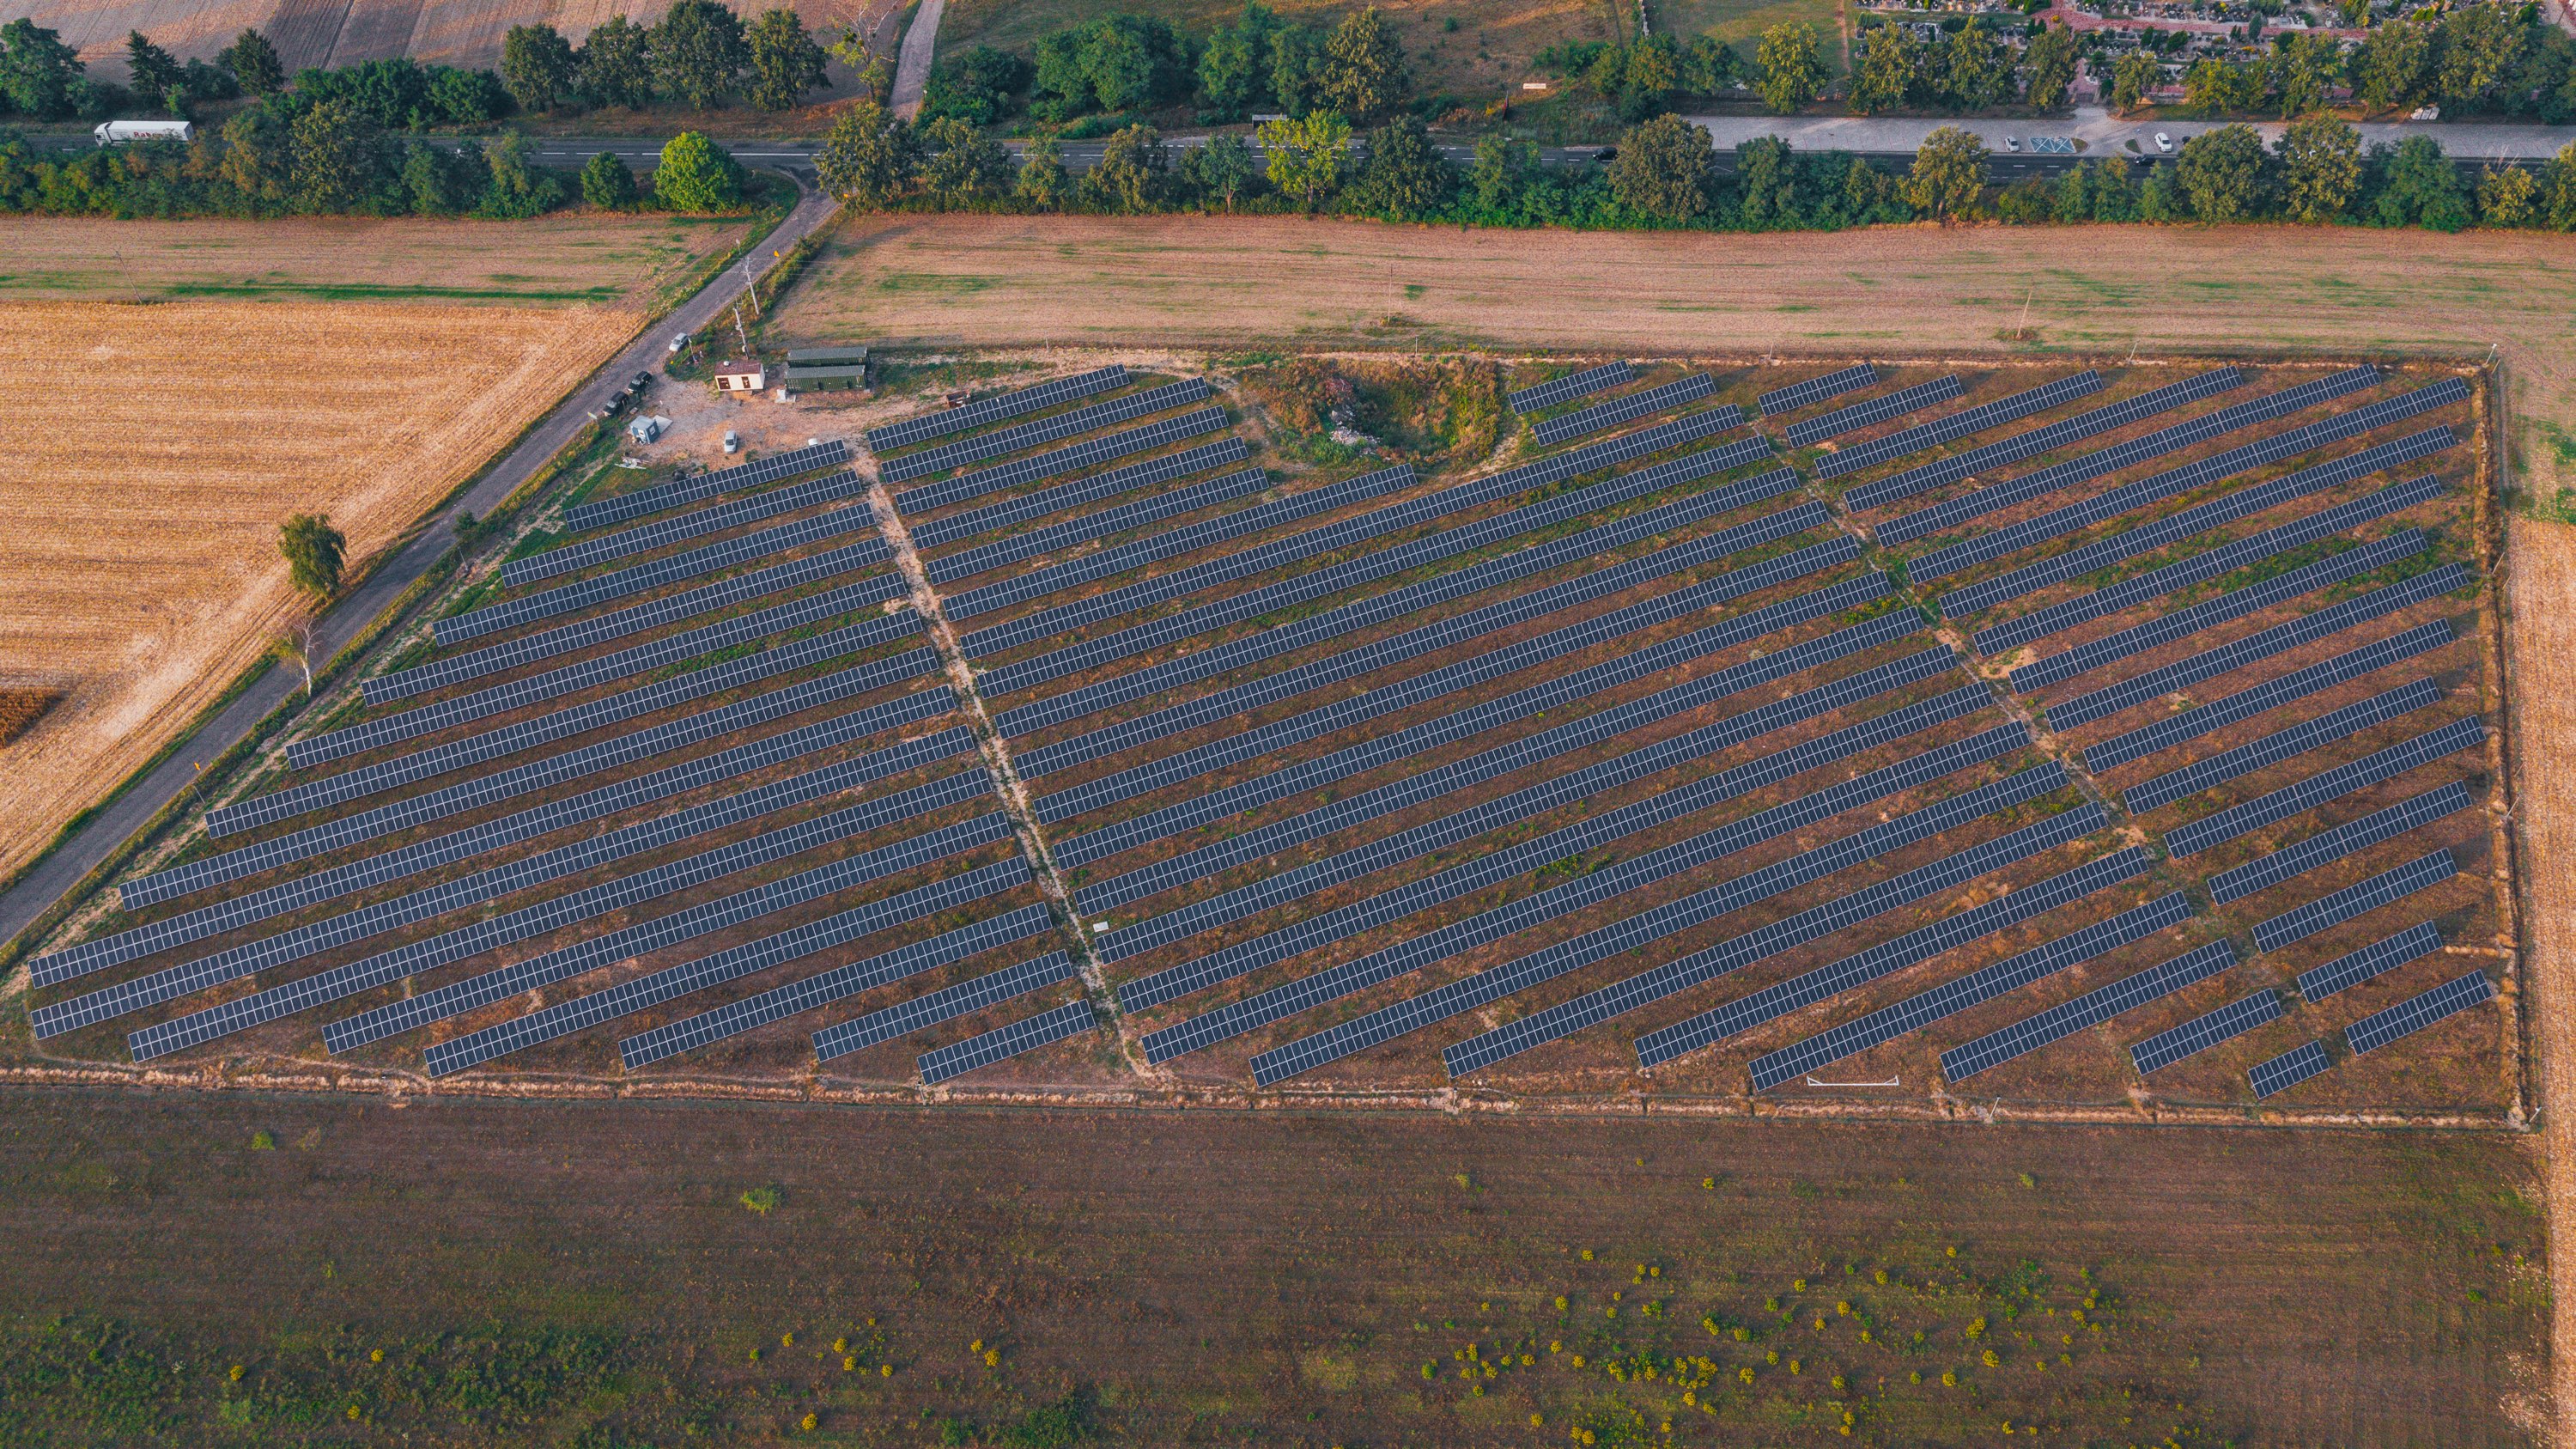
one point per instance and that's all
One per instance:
(139, 571)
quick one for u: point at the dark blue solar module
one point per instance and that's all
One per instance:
(1628, 409)
(1046, 430)
(2263, 698)
(946, 1004)
(2356, 900)
(2281, 1073)
(1037, 467)
(2086, 1011)
(1924, 477)
(643, 538)
(1572, 385)
(1012, 404)
(1002, 1043)
(2203, 1032)
(2193, 837)
(2418, 1012)
(2275, 866)
(1876, 410)
(641, 501)
(2374, 960)
(2272, 749)
(1958, 425)
(1011, 512)
(1816, 389)
(1083, 528)
(1974, 989)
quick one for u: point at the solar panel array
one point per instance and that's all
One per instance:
(1085, 454)
(1002, 1043)
(2290, 1068)
(1047, 430)
(1010, 512)
(604, 511)
(1013, 404)
(636, 578)
(1926, 476)
(2086, 1011)
(2202, 567)
(1877, 410)
(2327, 911)
(1958, 425)
(946, 1004)
(1594, 1007)
(2418, 1012)
(2200, 518)
(1816, 389)
(2374, 960)
(2279, 639)
(1572, 385)
(2193, 837)
(2271, 694)
(1974, 989)
(582, 554)
(2173, 439)
(1887, 957)
(2203, 1032)
(2280, 745)
(1627, 409)
(1083, 528)
(2275, 866)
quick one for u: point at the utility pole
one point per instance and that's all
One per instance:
(751, 287)
(740, 335)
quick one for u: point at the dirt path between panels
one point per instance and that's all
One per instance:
(2540, 582)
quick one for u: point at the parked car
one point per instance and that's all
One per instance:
(2012, 143)
(679, 342)
(732, 444)
(2164, 142)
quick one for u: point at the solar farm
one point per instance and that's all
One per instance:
(1835, 735)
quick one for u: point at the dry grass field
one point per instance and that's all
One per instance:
(139, 570)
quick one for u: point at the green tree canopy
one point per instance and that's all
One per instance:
(1364, 74)
(1886, 73)
(1949, 174)
(38, 73)
(1128, 178)
(608, 184)
(2418, 184)
(1666, 168)
(1223, 171)
(1405, 175)
(2320, 168)
(2048, 66)
(149, 70)
(868, 159)
(253, 62)
(697, 52)
(314, 552)
(2221, 171)
(785, 61)
(965, 168)
(1042, 182)
(336, 157)
(537, 67)
(696, 174)
(1789, 66)
(2131, 79)
(1307, 153)
(616, 64)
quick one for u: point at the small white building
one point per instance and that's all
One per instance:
(743, 376)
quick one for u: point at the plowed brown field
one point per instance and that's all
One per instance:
(152, 452)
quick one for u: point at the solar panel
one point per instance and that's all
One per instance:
(2157, 488)
(578, 719)
(2202, 567)
(2418, 1012)
(371, 871)
(2327, 911)
(1958, 425)
(2172, 529)
(1217, 659)
(1595, 1007)
(504, 928)
(2287, 1070)
(582, 553)
(2276, 866)
(1570, 386)
(1976, 988)
(1046, 430)
(2203, 1032)
(2193, 837)
(2252, 599)
(563, 1018)
(1002, 1043)
(2279, 639)
(2263, 698)
(1886, 958)
(1926, 476)
(865, 598)
(734, 1018)
(1816, 389)
(2085, 1012)
(670, 569)
(1628, 409)
(1877, 410)
(2374, 960)
(2280, 745)
(1017, 403)
(1366, 658)
(641, 501)
(1039, 466)
(946, 1004)
(1021, 547)
(974, 522)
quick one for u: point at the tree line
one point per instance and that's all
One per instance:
(1665, 175)
(2476, 60)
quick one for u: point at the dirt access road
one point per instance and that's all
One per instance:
(2540, 633)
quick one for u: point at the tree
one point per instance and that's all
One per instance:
(2391, 67)
(253, 62)
(607, 183)
(1502, 168)
(697, 52)
(1042, 183)
(2508, 197)
(1363, 70)
(1949, 174)
(976, 87)
(1296, 70)
(2480, 48)
(2209, 86)
(2221, 171)
(431, 181)
(1888, 59)
(1307, 154)
(2557, 203)
(1768, 178)
(696, 174)
(294, 641)
(1666, 168)
(2302, 69)
(1221, 171)
(1652, 72)
(314, 553)
(256, 156)
(2418, 184)
(616, 64)
(149, 70)
(336, 158)
(2135, 75)
(518, 189)
(965, 167)
(464, 97)
(1128, 178)
(868, 159)
(38, 72)
(1790, 65)
(1234, 70)
(2320, 168)
(785, 61)
(1405, 176)
(537, 67)
(1709, 65)
(1974, 72)
(2048, 66)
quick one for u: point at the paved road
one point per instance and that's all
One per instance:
(72, 860)
(912, 65)
(2100, 131)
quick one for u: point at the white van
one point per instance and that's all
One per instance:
(117, 133)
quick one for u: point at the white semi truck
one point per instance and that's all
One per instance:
(117, 133)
